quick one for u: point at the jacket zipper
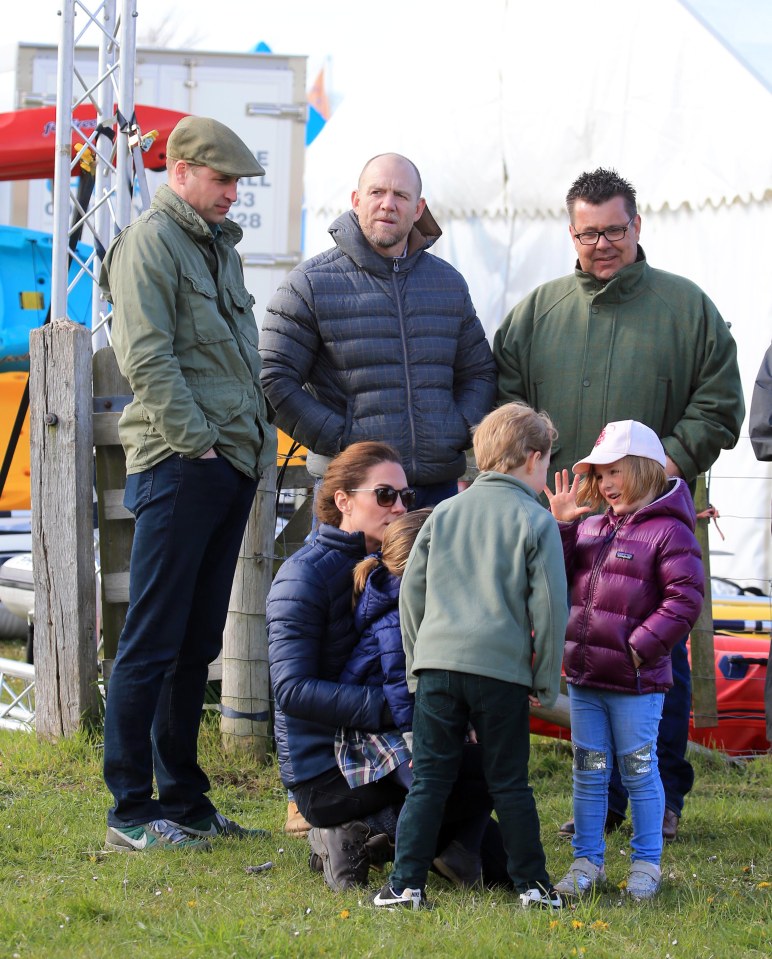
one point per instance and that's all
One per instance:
(408, 388)
(593, 580)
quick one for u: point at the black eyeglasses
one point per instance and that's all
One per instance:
(613, 234)
(387, 495)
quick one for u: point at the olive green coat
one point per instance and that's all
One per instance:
(647, 345)
(186, 342)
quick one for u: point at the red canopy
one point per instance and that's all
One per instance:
(28, 139)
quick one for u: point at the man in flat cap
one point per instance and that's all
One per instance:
(197, 439)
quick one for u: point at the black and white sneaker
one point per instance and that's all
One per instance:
(386, 898)
(538, 898)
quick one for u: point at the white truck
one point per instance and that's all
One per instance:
(261, 96)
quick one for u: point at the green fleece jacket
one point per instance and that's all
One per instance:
(484, 590)
(186, 342)
(647, 345)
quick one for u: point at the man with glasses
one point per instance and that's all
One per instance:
(377, 339)
(618, 339)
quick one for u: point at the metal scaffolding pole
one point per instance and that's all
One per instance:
(93, 189)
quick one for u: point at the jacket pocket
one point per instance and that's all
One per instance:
(206, 320)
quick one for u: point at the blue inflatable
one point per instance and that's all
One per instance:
(25, 291)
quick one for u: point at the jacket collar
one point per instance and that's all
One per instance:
(334, 538)
(675, 501)
(492, 478)
(185, 216)
(350, 240)
(623, 285)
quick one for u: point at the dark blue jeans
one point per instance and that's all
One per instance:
(445, 702)
(674, 768)
(190, 519)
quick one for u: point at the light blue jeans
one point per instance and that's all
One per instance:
(605, 724)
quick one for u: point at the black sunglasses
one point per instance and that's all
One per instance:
(387, 495)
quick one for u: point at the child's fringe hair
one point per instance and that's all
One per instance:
(642, 476)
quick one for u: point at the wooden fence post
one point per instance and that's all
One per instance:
(246, 719)
(701, 643)
(62, 474)
(112, 393)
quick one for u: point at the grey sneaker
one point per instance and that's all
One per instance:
(150, 836)
(581, 878)
(218, 825)
(345, 862)
(644, 880)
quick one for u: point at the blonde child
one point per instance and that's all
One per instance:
(483, 613)
(636, 580)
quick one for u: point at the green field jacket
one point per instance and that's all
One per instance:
(647, 345)
(484, 591)
(186, 342)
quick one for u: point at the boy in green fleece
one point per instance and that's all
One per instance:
(483, 610)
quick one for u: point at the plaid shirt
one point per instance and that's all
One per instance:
(366, 757)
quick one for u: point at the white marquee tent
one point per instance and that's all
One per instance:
(502, 109)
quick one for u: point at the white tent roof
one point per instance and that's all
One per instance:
(502, 109)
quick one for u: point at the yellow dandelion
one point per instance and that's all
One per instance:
(764, 885)
(192, 903)
(554, 923)
(599, 924)
(576, 923)
(345, 914)
(711, 898)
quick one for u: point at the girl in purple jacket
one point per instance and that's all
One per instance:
(636, 582)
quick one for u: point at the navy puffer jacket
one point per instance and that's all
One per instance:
(311, 633)
(378, 659)
(636, 583)
(357, 346)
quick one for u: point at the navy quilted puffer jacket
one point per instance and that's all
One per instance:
(378, 659)
(311, 634)
(357, 346)
(636, 583)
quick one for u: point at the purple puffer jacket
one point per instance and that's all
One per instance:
(636, 581)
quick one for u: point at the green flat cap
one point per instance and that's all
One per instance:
(208, 142)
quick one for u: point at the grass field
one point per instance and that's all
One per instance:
(60, 896)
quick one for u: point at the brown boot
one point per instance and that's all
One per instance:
(295, 825)
(669, 825)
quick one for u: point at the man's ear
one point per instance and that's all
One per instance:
(179, 172)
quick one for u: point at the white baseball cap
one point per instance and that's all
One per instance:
(623, 438)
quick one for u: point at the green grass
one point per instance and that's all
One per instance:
(60, 896)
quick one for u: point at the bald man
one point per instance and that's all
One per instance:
(377, 339)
